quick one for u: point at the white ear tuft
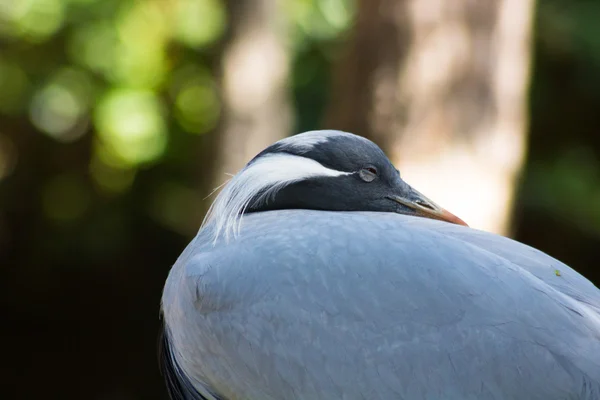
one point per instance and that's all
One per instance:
(259, 182)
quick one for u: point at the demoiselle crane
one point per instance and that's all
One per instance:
(315, 276)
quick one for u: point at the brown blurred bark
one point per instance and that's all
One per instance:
(441, 86)
(254, 75)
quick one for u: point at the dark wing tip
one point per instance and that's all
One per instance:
(178, 386)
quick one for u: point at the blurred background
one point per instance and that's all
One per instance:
(119, 117)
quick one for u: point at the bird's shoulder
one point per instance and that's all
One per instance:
(297, 253)
(280, 250)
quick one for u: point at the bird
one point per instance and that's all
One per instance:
(319, 273)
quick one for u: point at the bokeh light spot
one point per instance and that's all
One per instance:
(34, 20)
(337, 13)
(140, 61)
(198, 22)
(54, 110)
(320, 19)
(194, 92)
(60, 105)
(197, 109)
(94, 46)
(131, 126)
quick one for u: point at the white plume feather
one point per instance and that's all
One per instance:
(263, 178)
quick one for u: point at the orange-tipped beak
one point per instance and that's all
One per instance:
(446, 215)
(426, 208)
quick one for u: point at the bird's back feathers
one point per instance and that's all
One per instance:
(331, 305)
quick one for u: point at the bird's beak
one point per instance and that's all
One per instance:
(424, 207)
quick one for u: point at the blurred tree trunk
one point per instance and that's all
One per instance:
(254, 76)
(442, 86)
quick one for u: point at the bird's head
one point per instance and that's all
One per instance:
(320, 170)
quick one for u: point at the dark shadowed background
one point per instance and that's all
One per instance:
(119, 117)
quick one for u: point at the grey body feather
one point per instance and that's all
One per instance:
(357, 305)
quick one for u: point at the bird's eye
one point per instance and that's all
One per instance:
(368, 174)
